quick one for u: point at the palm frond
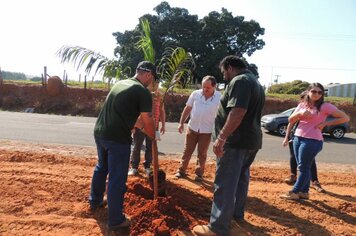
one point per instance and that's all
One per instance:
(176, 66)
(145, 43)
(89, 60)
(80, 57)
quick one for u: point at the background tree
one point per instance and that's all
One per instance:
(208, 39)
(7, 75)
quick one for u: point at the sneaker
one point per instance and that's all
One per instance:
(94, 207)
(290, 196)
(291, 179)
(198, 178)
(203, 230)
(126, 223)
(303, 195)
(133, 171)
(317, 186)
(179, 175)
(148, 171)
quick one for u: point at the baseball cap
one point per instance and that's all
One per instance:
(149, 67)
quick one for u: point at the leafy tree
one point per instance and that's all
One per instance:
(294, 87)
(208, 39)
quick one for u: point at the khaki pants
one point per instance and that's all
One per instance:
(193, 138)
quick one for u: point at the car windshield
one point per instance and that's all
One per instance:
(287, 112)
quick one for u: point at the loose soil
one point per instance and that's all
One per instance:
(44, 191)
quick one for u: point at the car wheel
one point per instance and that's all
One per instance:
(282, 129)
(337, 133)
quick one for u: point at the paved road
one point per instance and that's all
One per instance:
(41, 128)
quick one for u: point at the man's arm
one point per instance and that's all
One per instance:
(186, 111)
(148, 124)
(233, 121)
(288, 132)
(163, 119)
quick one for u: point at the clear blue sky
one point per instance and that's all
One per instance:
(310, 40)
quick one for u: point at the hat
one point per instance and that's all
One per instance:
(149, 67)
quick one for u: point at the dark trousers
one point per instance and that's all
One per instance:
(138, 138)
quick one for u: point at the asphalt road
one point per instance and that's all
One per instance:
(42, 128)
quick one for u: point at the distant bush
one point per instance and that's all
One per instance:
(36, 79)
(294, 87)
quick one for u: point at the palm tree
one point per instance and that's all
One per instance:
(175, 66)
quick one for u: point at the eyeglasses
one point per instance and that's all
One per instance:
(316, 92)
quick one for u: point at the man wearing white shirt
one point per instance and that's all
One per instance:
(201, 107)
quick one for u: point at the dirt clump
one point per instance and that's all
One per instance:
(54, 86)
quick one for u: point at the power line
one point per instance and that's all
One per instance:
(312, 36)
(309, 68)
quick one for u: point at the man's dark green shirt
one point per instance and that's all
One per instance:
(124, 103)
(243, 91)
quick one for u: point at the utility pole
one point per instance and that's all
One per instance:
(1, 79)
(276, 79)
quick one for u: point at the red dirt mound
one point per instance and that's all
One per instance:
(45, 192)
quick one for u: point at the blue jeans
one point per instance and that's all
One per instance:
(305, 151)
(138, 139)
(231, 186)
(293, 164)
(113, 159)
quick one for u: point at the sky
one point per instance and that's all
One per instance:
(308, 40)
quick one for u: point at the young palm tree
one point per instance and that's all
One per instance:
(176, 65)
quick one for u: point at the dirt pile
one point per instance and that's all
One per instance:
(45, 189)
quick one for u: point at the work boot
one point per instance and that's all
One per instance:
(203, 230)
(291, 179)
(198, 178)
(148, 171)
(179, 175)
(303, 195)
(94, 207)
(290, 196)
(126, 223)
(317, 186)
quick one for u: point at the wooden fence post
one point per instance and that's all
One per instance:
(1, 79)
(45, 75)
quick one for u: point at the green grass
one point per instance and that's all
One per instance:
(334, 100)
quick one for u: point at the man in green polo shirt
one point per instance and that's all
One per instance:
(127, 100)
(238, 137)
